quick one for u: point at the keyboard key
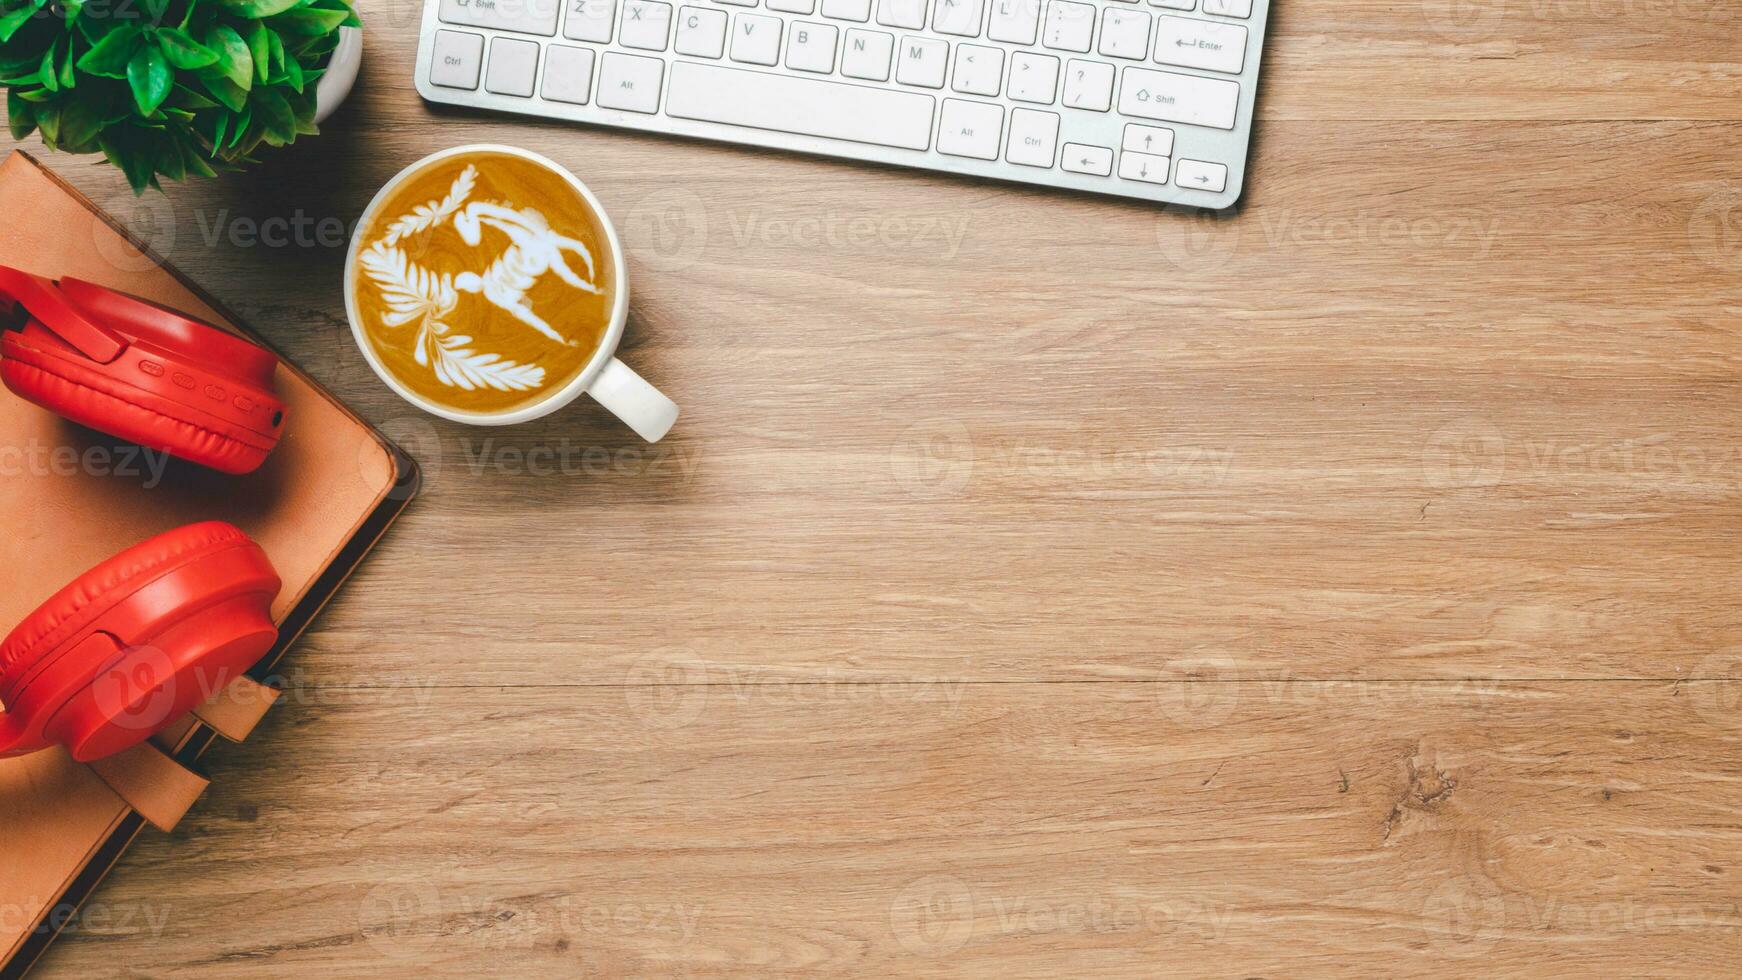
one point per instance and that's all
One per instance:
(646, 24)
(456, 59)
(1170, 97)
(739, 3)
(1174, 4)
(1033, 77)
(970, 129)
(701, 31)
(629, 81)
(1148, 139)
(806, 7)
(1227, 8)
(1198, 175)
(959, 17)
(568, 74)
(921, 61)
(1014, 21)
(1125, 33)
(809, 107)
(811, 47)
(866, 55)
(1033, 138)
(590, 20)
(906, 14)
(859, 10)
(1089, 85)
(1082, 158)
(1200, 44)
(513, 65)
(1069, 26)
(1143, 166)
(979, 69)
(525, 16)
(756, 39)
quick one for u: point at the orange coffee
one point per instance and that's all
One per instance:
(484, 282)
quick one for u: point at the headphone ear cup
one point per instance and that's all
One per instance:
(153, 683)
(137, 641)
(163, 380)
(90, 398)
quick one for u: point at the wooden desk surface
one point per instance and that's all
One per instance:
(1038, 585)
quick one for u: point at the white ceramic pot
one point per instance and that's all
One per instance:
(341, 73)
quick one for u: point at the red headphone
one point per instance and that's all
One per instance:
(139, 371)
(136, 642)
(139, 640)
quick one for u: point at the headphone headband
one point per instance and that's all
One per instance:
(42, 299)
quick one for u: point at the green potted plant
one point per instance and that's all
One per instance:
(168, 88)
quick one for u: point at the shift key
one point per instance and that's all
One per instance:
(1177, 98)
(524, 16)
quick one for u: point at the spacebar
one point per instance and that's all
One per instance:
(800, 105)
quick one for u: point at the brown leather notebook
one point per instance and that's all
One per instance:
(72, 497)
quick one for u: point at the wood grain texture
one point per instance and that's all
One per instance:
(1030, 830)
(1039, 585)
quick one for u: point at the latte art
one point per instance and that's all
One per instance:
(482, 284)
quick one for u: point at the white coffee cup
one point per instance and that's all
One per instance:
(612, 383)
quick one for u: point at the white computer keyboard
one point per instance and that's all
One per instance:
(1149, 99)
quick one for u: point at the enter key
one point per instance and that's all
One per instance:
(1203, 44)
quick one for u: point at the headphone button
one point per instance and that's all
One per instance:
(152, 368)
(215, 393)
(184, 381)
(243, 403)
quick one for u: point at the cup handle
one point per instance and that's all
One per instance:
(628, 396)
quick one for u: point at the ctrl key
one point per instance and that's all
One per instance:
(456, 60)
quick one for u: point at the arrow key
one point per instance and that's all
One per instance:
(1201, 176)
(1152, 140)
(1083, 158)
(1146, 167)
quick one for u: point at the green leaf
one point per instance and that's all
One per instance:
(259, 48)
(293, 74)
(20, 115)
(260, 8)
(109, 56)
(314, 50)
(234, 59)
(186, 98)
(149, 77)
(183, 51)
(32, 95)
(12, 20)
(275, 114)
(166, 160)
(275, 51)
(241, 125)
(122, 149)
(310, 22)
(218, 132)
(233, 96)
(304, 106)
(194, 162)
(46, 74)
(48, 121)
(68, 78)
(79, 126)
